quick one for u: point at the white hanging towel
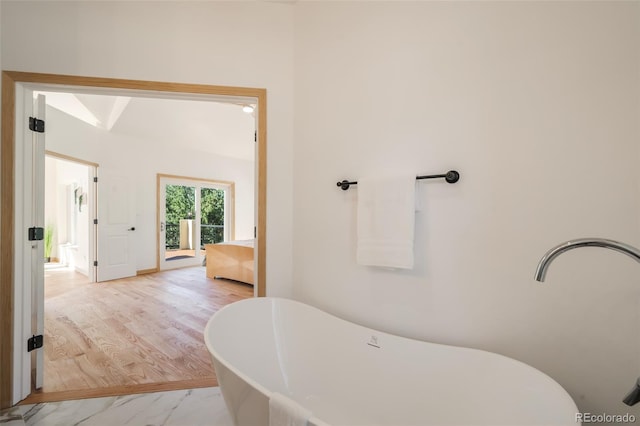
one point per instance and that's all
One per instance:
(283, 411)
(386, 221)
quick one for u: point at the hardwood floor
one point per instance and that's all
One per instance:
(129, 335)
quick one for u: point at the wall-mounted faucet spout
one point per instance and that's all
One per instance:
(543, 265)
(632, 397)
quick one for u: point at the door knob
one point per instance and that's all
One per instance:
(133, 228)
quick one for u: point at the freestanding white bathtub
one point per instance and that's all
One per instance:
(347, 374)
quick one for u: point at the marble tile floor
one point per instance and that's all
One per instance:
(193, 407)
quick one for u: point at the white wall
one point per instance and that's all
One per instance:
(144, 159)
(245, 44)
(537, 105)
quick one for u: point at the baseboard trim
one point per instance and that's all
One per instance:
(40, 396)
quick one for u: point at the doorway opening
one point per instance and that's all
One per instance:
(69, 206)
(192, 212)
(14, 377)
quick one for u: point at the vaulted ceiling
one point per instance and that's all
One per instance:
(220, 128)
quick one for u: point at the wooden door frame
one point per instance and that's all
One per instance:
(7, 185)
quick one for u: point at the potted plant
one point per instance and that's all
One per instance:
(48, 242)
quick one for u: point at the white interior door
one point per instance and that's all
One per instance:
(37, 247)
(28, 244)
(116, 226)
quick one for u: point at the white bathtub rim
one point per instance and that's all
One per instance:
(267, 393)
(314, 420)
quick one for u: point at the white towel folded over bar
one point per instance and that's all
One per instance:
(386, 221)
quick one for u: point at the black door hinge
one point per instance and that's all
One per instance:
(95, 263)
(36, 125)
(95, 179)
(36, 234)
(95, 221)
(35, 342)
(255, 136)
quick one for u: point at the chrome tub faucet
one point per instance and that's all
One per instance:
(633, 397)
(556, 251)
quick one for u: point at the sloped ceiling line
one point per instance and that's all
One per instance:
(219, 128)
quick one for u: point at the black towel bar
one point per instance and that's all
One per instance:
(451, 176)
